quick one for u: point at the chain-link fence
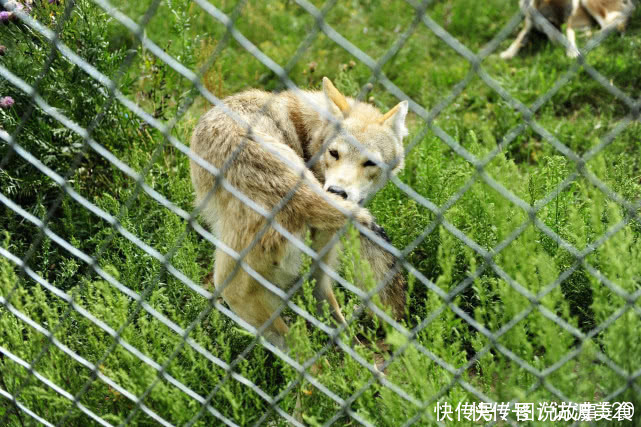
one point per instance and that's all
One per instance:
(18, 412)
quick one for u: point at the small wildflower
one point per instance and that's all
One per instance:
(5, 16)
(57, 2)
(14, 5)
(3, 50)
(6, 102)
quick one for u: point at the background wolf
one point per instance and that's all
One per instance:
(266, 164)
(576, 13)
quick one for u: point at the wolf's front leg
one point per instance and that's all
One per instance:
(572, 50)
(517, 44)
(324, 290)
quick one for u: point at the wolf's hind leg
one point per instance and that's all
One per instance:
(580, 18)
(518, 43)
(251, 301)
(608, 18)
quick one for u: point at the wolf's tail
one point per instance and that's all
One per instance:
(385, 267)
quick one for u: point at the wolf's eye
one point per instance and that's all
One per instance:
(369, 163)
(334, 154)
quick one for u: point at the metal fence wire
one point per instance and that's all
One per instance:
(421, 18)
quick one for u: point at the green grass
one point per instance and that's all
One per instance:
(426, 69)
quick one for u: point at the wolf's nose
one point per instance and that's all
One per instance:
(338, 191)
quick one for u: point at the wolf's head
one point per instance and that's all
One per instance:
(349, 172)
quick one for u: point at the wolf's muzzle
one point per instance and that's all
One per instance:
(338, 191)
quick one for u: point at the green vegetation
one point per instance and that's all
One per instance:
(427, 69)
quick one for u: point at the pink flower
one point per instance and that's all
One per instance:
(6, 102)
(5, 16)
(16, 6)
(13, 4)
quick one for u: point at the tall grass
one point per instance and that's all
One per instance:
(581, 316)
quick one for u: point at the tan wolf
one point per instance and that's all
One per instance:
(266, 163)
(576, 13)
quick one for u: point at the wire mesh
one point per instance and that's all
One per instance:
(204, 402)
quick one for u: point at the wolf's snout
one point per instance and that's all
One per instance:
(338, 191)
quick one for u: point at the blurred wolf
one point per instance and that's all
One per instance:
(577, 13)
(266, 164)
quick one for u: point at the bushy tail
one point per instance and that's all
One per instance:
(384, 267)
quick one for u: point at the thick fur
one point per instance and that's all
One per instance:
(266, 164)
(382, 264)
(576, 13)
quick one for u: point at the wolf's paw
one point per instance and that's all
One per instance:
(572, 52)
(363, 216)
(507, 54)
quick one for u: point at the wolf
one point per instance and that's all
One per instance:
(576, 13)
(266, 161)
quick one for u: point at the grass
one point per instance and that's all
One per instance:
(579, 115)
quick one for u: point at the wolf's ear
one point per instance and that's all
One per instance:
(336, 101)
(395, 119)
